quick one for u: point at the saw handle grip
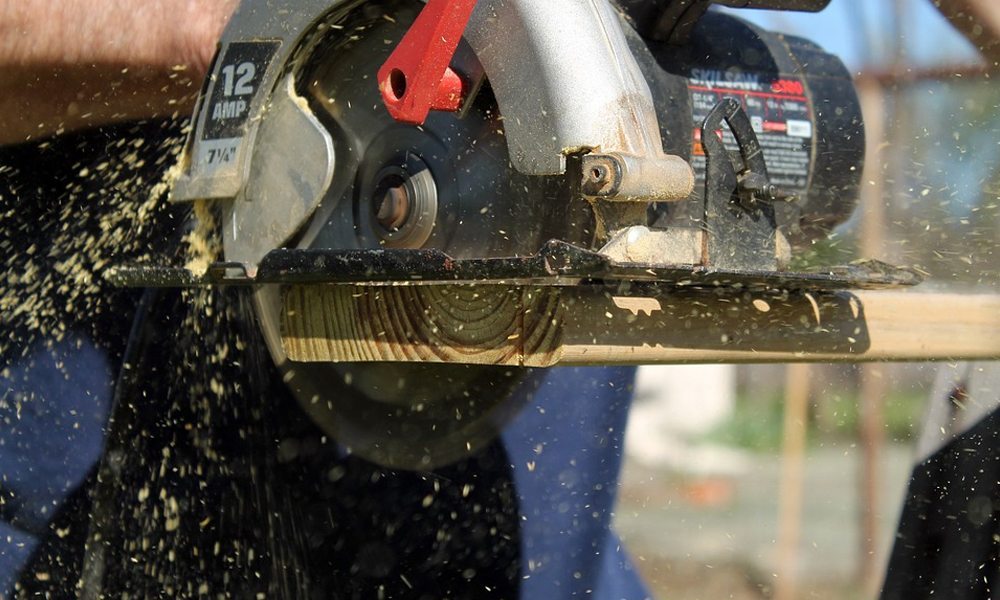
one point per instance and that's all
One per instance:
(417, 78)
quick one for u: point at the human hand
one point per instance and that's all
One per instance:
(85, 63)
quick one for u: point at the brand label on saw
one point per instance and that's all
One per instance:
(235, 83)
(779, 111)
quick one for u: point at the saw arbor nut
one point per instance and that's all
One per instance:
(404, 204)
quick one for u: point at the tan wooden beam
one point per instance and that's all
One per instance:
(579, 325)
(979, 21)
(791, 489)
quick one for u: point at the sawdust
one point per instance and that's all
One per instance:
(203, 246)
(56, 241)
(190, 499)
(53, 256)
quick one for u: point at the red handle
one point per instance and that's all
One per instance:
(416, 78)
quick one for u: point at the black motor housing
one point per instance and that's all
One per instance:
(800, 99)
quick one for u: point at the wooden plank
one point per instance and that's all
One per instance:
(496, 325)
(539, 326)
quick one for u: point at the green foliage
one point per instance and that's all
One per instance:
(757, 422)
(837, 416)
(837, 249)
(756, 425)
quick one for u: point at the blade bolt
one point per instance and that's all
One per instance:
(403, 203)
(393, 208)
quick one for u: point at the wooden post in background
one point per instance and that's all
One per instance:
(792, 476)
(873, 385)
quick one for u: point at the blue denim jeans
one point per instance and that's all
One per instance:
(54, 405)
(565, 449)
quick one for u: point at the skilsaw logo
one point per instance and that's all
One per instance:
(730, 79)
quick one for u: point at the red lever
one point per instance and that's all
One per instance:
(417, 79)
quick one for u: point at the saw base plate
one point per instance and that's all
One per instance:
(557, 264)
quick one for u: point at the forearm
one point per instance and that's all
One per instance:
(69, 64)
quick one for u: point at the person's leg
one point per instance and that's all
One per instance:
(69, 207)
(16, 549)
(566, 450)
(948, 542)
(53, 411)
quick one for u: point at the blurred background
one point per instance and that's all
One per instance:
(775, 481)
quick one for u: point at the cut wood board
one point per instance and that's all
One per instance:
(534, 326)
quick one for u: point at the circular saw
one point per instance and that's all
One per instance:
(428, 174)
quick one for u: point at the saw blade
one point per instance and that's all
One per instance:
(446, 185)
